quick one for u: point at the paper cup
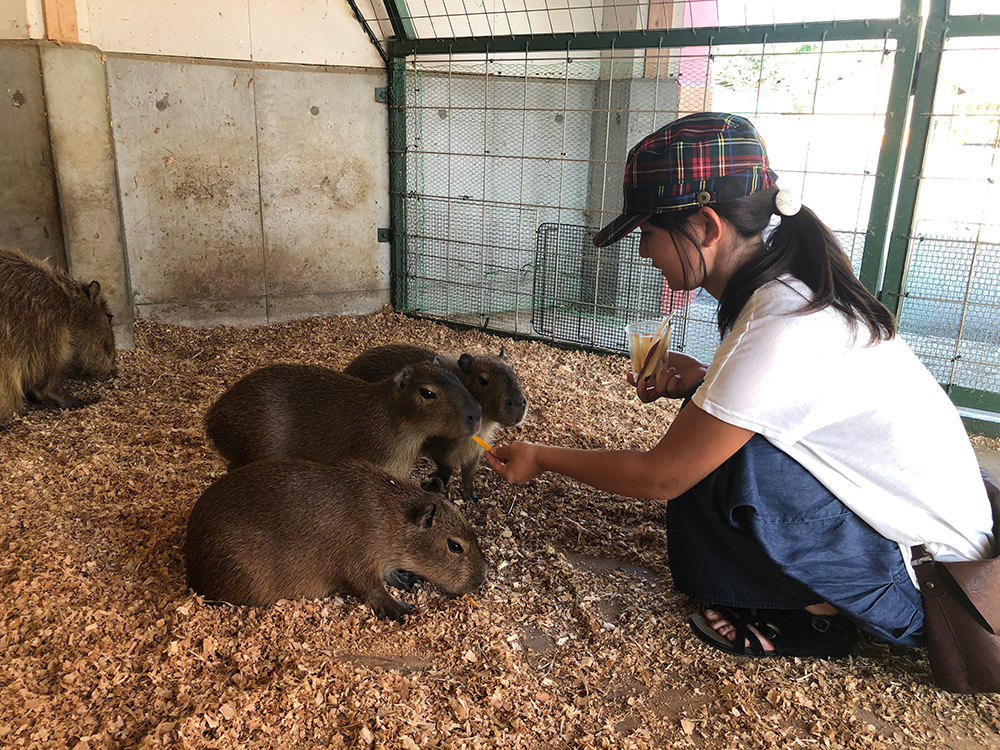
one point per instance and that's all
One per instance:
(647, 342)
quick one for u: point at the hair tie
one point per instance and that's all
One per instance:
(787, 203)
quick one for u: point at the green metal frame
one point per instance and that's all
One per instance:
(905, 30)
(908, 23)
(399, 18)
(399, 278)
(894, 136)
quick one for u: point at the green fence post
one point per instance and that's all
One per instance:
(399, 271)
(890, 155)
(922, 109)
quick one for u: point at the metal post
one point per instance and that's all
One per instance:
(913, 160)
(398, 275)
(890, 155)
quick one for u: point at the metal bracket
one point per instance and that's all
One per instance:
(384, 235)
(382, 94)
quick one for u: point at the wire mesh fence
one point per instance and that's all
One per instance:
(951, 300)
(511, 163)
(491, 19)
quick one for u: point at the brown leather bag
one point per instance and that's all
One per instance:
(962, 614)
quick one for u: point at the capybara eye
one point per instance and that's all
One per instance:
(109, 316)
(427, 393)
(484, 381)
(455, 547)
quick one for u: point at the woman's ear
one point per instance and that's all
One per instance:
(713, 226)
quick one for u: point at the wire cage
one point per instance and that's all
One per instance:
(503, 154)
(510, 123)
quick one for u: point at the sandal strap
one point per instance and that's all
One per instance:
(741, 619)
(792, 632)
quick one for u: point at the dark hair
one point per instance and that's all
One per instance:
(802, 246)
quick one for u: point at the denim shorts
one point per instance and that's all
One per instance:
(761, 531)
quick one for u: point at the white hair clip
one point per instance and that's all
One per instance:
(787, 203)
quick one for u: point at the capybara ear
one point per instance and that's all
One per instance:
(399, 379)
(93, 290)
(426, 518)
(466, 361)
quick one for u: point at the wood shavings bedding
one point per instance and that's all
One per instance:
(103, 647)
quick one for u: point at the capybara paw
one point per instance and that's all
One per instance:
(394, 611)
(434, 484)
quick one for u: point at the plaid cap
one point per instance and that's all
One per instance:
(709, 157)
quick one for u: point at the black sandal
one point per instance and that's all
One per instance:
(792, 632)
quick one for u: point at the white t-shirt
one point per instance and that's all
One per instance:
(869, 422)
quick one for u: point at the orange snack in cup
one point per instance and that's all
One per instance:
(647, 350)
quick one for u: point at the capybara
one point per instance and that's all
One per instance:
(318, 414)
(287, 528)
(491, 380)
(52, 327)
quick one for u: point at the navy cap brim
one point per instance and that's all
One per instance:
(618, 228)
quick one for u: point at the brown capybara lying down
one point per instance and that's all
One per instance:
(283, 529)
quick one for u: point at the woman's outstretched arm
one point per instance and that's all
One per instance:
(695, 445)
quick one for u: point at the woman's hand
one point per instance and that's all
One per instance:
(517, 463)
(678, 374)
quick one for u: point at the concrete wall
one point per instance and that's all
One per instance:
(215, 163)
(29, 206)
(250, 194)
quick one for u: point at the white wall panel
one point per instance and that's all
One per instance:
(216, 29)
(314, 32)
(323, 32)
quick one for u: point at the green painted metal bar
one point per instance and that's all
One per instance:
(890, 155)
(668, 38)
(891, 293)
(973, 26)
(974, 399)
(399, 18)
(398, 275)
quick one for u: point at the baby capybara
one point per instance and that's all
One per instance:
(52, 327)
(287, 529)
(491, 380)
(318, 414)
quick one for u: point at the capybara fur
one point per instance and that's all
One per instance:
(52, 328)
(286, 529)
(490, 379)
(318, 414)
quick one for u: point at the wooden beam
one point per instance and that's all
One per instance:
(60, 20)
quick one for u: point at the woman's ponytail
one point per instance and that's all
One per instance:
(804, 247)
